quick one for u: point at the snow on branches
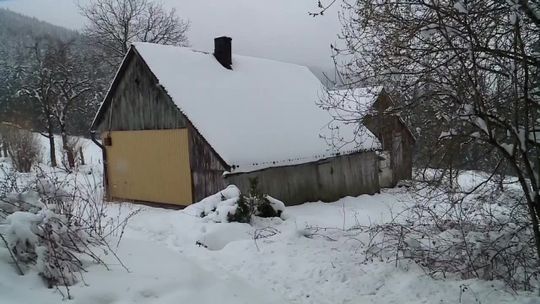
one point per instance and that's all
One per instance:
(55, 226)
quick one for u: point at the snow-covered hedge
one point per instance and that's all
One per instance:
(230, 205)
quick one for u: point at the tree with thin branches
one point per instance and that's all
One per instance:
(38, 86)
(72, 86)
(114, 24)
(467, 71)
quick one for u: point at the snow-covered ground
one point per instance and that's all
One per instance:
(92, 153)
(310, 257)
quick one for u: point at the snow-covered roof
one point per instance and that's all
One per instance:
(355, 102)
(260, 114)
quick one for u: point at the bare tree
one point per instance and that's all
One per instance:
(115, 24)
(38, 81)
(72, 84)
(474, 64)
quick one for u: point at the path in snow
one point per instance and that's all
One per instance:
(326, 268)
(157, 275)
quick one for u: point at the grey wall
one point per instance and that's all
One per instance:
(326, 180)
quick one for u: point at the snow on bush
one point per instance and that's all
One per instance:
(46, 240)
(54, 226)
(230, 205)
(216, 207)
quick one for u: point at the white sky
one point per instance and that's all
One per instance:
(276, 29)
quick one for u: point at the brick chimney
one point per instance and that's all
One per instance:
(222, 51)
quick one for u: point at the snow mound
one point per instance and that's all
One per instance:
(277, 205)
(217, 206)
(216, 237)
(223, 207)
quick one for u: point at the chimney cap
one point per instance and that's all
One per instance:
(223, 38)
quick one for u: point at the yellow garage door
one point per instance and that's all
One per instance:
(149, 166)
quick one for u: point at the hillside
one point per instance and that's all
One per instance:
(18, 31)
(17, 34)
(18, 70)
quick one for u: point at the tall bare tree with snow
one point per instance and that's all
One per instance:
(115, 24)
(72, 87)
(38, 86)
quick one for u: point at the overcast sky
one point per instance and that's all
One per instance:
(276, 29)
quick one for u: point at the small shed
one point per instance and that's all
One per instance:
(178, 125)
(379, 114)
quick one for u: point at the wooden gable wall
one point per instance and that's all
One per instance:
(388, 128)
(206, 167)
(137, 102)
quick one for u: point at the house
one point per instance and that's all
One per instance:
(178, 125)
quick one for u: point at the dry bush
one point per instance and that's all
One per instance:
(22, 147)
(56, 224)
(483, 233)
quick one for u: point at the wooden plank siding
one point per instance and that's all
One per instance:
(327, 180)
(137, 102)
(389, 128)
(206, 167)
(150, 166)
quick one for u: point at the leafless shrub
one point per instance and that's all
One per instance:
(57, 223)
(22, 147)
(482, 234)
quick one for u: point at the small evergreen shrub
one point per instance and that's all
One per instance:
(232, 206)
(243, 212)
(255, 203)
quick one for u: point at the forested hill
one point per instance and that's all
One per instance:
(18, 31)
(31, 49)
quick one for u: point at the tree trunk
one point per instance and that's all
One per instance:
(533, 210)
(81, 156)
(67, 148)
(4, 149)
(52, 149)
(50, 135)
